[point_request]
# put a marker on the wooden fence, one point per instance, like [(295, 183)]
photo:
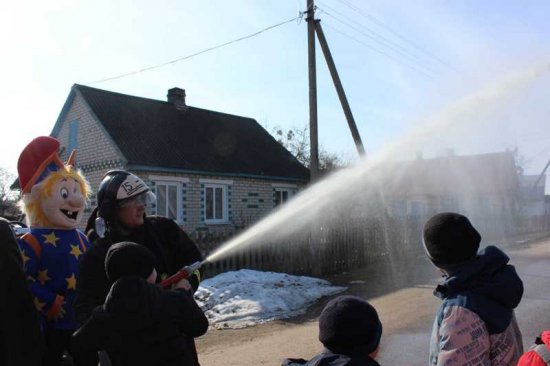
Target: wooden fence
[(322, 249), (326, 248)]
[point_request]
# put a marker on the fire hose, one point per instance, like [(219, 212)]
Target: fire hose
[(183, 273)]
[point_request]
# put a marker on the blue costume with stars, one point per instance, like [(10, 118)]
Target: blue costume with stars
[(51, 261)]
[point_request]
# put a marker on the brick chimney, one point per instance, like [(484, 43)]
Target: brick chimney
[(176, 96)]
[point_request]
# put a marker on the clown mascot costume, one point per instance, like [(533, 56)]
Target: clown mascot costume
[(53, 198)]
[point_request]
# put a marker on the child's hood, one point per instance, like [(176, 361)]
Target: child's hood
[(489, 275)]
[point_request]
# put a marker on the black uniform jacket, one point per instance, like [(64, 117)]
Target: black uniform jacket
[(142, 324), (172, 248), (21, 341)]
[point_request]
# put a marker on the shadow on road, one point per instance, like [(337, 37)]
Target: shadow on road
[(377, 279)]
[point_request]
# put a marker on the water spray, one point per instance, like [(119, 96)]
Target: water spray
[(183, 273), (449, 126)]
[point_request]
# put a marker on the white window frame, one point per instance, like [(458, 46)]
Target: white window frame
[(213, 184), (174, 182), (281, 187), (280, 191)]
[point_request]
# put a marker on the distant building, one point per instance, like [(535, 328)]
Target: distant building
[(531, 192), (210, 171), (474, 184), (534, 207)]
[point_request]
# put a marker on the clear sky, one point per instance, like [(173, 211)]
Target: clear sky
[(439, 51)]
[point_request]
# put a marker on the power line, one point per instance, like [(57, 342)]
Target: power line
[(377, 21), (379, 51), (382, 39), (384, 44), (197, 53)]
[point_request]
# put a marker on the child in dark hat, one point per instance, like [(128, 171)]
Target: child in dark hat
[(140, 323), (475, 324), (350, 330)]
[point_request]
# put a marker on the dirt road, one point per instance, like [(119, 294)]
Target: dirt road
[(406, 305)]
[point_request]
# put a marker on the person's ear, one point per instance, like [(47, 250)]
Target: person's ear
[(374, 353)]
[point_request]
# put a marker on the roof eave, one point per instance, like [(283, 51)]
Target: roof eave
[(138, 167)]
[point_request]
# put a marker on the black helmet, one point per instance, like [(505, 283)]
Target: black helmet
[(117, 187)]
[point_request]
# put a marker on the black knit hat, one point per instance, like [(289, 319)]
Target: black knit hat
[(450, 238), (128, 259), (349, 324)]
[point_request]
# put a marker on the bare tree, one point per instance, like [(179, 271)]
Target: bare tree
[(8, 199), (296, 140)]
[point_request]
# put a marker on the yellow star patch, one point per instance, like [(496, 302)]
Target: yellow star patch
[(38, 305), (43, 276), (24, 257), (50, 239), (71, 282), (75, 250)]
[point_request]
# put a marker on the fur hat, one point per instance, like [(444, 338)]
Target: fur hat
[(349, 324), (128, 259), (450, 238)]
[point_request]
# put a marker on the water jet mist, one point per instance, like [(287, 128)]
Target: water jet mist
[(375, 186)]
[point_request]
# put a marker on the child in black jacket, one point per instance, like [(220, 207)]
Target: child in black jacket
[(350, 331), (140, 323)]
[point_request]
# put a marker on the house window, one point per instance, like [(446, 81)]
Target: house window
[(73, 136), (282, 192), (418, 209), (167, 200), (398, 208), (215, 203), (282, 195), (171, 195)]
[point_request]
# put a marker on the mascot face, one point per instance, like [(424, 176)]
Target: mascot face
[(65, 205), (58, 201)]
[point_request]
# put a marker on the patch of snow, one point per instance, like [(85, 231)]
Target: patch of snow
[(243, 298)]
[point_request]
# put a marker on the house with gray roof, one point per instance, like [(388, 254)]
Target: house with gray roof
[(210, 171)]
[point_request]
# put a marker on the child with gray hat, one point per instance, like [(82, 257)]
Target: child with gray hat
[(475, 324), (140, 323), (350, 330)]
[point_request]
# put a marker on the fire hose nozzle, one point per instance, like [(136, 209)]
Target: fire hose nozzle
[(181, 274)]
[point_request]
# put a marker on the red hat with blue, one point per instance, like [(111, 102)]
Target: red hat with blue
[(38, 160)]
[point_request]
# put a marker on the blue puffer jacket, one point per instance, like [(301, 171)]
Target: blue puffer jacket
[(475, 324), (328, 358)]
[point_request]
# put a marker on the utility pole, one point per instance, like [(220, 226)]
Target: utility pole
[(541, 175), (339, 88), (313, 133)]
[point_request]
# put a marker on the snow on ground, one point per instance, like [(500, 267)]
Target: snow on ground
[(239, 299)]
